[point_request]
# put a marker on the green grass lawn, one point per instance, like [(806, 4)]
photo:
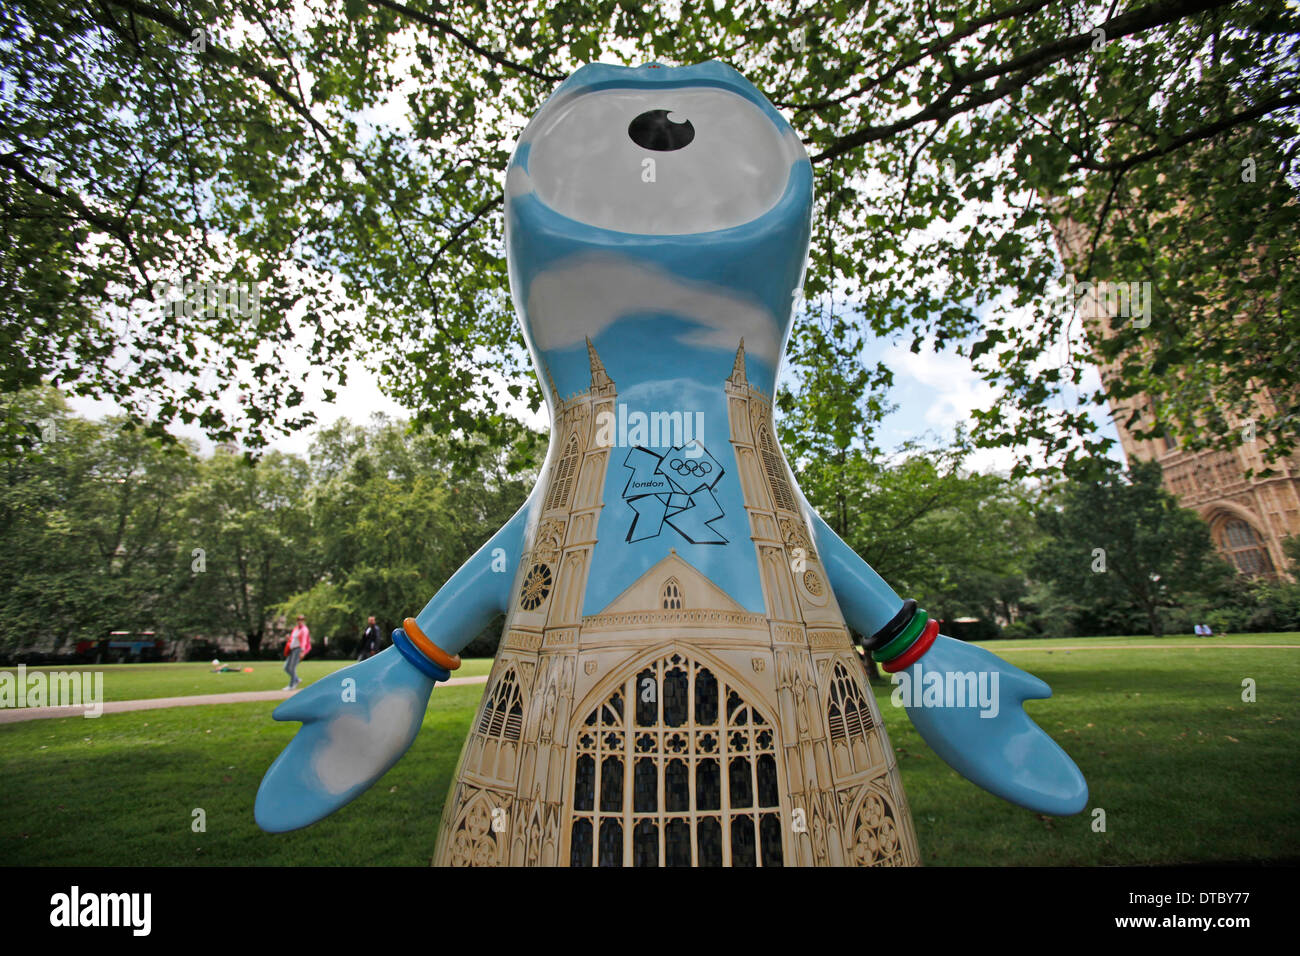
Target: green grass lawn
[(1143, 640), (141, 681), (1185, 771)]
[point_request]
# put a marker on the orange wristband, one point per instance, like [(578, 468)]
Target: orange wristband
[(428, 648)]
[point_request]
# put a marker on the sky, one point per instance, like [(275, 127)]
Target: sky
[(936, 392)]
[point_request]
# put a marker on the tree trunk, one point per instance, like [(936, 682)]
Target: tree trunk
[(872, 669), (1154, 622)]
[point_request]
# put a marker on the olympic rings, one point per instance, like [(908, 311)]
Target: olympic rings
[(697, 469)]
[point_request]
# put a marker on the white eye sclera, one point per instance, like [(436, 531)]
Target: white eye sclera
[(659, 162)]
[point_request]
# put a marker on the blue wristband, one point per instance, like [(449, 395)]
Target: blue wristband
[(421, 663)]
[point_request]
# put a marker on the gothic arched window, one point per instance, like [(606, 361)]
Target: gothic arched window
[(782, 496), (503, 714), (671, 595), (849, 721), (562, 478), (676, 768), (1245, 548), (496, 738)]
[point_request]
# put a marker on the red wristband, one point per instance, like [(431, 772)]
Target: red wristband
[(913, 653)]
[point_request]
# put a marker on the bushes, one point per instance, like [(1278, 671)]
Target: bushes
[(485, 642), (343, 646), (1245, 607), (980, 629), (1018, 630), (1274, 607)]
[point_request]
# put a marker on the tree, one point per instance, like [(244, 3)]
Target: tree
[(954, 540), (143, 142), (957, 541), (976, 550), (1121, 545), (396, 513), (87, 544), (1291, 548), (105, 528), (248, 526)]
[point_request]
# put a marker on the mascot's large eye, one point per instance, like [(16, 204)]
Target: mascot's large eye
[(663, 161), (654, 130)]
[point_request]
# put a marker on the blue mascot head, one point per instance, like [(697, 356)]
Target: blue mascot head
[(662, 212), (657, 225)]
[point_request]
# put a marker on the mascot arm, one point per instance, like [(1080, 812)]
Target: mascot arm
[(360, 720), (964, 701)]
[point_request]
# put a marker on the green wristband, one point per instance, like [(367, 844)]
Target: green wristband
[(903, 641)]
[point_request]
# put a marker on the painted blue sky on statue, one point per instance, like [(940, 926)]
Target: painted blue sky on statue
[(596, 253)]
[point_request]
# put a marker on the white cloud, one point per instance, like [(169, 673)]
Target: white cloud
[(585, 296), (957, 388)]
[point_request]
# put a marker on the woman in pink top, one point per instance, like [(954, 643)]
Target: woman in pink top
[(295, 649)]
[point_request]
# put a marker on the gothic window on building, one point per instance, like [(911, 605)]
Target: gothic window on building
[(876, 840), (849, 720), (503, 714), (1244, 548), (496, 738), (671, 598), (474, 843), (676, 768), (566, 469), (782, 496)]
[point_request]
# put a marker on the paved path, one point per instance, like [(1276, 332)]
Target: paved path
[(13, 715)]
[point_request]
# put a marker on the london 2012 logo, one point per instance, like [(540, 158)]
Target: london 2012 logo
[(674, 489)]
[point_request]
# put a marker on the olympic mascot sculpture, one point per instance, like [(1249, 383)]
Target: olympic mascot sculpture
[(676, 683)]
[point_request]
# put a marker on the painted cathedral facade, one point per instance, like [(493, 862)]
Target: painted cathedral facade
[(674, 727)]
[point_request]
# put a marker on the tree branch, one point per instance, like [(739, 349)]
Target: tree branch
[(460, 231), (1178, 142), (1019, 71), (118, 229), (251, 70), (938, 46), (442, 26)]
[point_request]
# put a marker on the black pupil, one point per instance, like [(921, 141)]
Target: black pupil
[(654, 130)]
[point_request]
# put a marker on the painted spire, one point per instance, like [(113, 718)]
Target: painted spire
[(738, 370), (599, 377)]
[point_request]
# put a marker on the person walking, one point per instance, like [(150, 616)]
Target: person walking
[(295, 649), (369, 640)]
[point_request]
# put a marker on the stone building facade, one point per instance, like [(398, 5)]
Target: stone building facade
[(1249, 516)]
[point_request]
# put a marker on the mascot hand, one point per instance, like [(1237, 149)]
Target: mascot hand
[(356, 724), (991, 742)]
